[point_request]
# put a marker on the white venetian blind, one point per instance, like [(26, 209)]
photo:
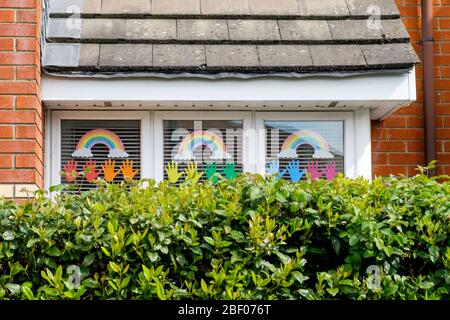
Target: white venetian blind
[(312, 137), (129, 132), (179, 133)]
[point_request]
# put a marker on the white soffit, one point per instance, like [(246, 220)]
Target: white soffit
[(383, 93)]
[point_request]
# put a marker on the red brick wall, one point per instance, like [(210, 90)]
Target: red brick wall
[(21, 112), (398, 141)]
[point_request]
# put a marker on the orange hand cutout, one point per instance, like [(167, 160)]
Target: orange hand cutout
[(127, 170), (108, 170)]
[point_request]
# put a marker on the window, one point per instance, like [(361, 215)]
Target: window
[(84, 141), (300, 146), (216, 139), (93, 143), (322, 141), (247, 141)]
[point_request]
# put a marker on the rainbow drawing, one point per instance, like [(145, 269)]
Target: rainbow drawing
[(196, 139), (296, 139), (100, 136)]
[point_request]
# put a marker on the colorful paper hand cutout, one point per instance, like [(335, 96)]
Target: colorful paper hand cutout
[(192, 174), (127, 170), (172, 172), (274, 169), (312, 170), (211, 172), (109, 171), (70, 170), (230, 171), (294, 171), (330, 171), (90, 170)]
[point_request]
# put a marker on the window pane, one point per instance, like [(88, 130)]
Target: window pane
[(102, 148), (310, 143), (203, 142)]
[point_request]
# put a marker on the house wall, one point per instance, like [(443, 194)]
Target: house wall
[(21, 112), (398, 141)]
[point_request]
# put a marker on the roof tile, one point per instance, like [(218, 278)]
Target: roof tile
[(353, 29), (157, 29), (103, 29), (364, 7), (126, 55), (89, 54), (273, 7), (253, 30), (205, 29), (135, 6), (304, 30), (225, 7), (323, 7), (175, 6), (395, 53), (229, 55), (337, 55), (169, 55), (284, 56)]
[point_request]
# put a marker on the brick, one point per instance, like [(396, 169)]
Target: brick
[(397, 146), (26, 73), (406, 158), (26, 161), (14, 176), (17, 58), (6, 161), (6, 44), (18, 146), (27, 102), (23, 4), (7, 16), (26, 16), (26, 44), (6, 73), (6, 102), (18, 87), (6, 132), (17, 116), (17, 30)]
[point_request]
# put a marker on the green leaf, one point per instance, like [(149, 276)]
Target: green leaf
[(333, 291), (27, 293), (204, 287), (8, 235), (88, 260), (426, 285), (54, 252), (336, 243)]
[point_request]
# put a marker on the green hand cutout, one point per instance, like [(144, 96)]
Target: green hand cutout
[(230, 171), (210, 171), (172, 172), (192, 174)]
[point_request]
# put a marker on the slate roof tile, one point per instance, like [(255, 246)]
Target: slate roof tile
[(211, 36)]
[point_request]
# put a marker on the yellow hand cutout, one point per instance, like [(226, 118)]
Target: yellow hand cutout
[(192, 174), (172, 172)]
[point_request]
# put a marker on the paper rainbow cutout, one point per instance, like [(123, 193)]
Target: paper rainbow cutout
[(100, 136), (296, 139), (202, 138)]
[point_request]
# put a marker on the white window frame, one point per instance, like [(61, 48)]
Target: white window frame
[(357, 139), (53, 145), (248, 143)]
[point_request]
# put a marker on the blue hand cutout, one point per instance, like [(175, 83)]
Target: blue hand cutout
[(274, 169), (294, 170)]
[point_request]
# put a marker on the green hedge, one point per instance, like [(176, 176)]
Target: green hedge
[(249, 238)]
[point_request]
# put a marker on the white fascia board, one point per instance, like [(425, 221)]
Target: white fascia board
[(381, 92)]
